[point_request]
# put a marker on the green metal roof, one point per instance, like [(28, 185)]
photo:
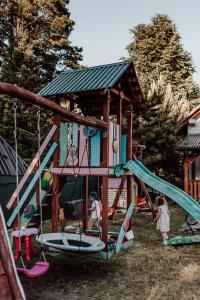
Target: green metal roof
[(93, 78)]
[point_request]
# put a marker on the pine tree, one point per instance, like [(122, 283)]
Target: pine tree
[(157, 49), (164, 70), (34, 41), (34, 46), (158, 128)]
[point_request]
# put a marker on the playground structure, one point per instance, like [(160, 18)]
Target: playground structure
[(85, 144), (91, 142)]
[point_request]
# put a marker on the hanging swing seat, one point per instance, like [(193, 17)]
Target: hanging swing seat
[(72, 242), (39, 269)]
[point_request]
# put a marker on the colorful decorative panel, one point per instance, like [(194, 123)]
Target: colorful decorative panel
[(113, 144)]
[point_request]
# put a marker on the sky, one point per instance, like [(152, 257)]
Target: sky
[(102, 27)]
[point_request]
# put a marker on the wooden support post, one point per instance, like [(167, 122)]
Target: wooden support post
[(148, 198), (129, 157), (129, 153), (105, 210), (85, 202), (186, 175), (105, 142), (119, 121), (55, 186)]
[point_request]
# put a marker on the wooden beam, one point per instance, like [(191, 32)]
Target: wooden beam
[(82, 171), (105, 146), (55, 185), (85, 202), (186, 175), (129, 156), (25, 95), (129, 153), (124, 97), (119, 121), (148, 198)]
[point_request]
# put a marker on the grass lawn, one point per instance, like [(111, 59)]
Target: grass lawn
[(148, 270)]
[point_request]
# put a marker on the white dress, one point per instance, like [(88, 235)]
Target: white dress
[(163, 221), (95, 214)]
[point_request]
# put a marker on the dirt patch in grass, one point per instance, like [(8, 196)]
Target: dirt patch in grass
[(148, 270)]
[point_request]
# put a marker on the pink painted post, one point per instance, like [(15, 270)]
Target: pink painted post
[(82, 171)]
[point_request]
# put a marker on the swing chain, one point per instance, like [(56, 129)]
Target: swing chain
[(22, 261), (40, 200), (38, 126), (14, 107)]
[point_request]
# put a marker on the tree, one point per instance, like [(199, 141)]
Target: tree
[(34, 41), (157, 49), (34, 46), (158, 127), (164, 70)]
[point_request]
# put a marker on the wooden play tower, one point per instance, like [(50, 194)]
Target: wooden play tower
[(107, 92)]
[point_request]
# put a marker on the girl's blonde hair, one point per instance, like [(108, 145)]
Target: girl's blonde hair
[(161, 200)]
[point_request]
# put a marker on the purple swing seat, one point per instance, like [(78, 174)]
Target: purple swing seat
[(40, 268)]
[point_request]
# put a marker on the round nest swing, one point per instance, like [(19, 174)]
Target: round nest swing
[(71, 242)]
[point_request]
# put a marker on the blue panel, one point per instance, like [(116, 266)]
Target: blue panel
[(75, 134), (95, 149), (63, 143), (32, 184), (123, 148)]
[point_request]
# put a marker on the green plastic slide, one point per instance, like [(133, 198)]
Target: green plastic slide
[(174, 193), (183, 240)]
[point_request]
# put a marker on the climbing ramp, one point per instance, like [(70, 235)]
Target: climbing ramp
[(32, 201)]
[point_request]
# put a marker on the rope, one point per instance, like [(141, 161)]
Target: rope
[(98, 226), (14, 107), (77, 181), (39, 163)]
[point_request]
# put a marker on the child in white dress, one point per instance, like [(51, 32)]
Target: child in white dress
[(163, 217), (95, 210)]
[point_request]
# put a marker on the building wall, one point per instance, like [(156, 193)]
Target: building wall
[(197, 168), (194, 126)]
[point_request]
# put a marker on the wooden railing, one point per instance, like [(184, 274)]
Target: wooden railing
[(194, 188)]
